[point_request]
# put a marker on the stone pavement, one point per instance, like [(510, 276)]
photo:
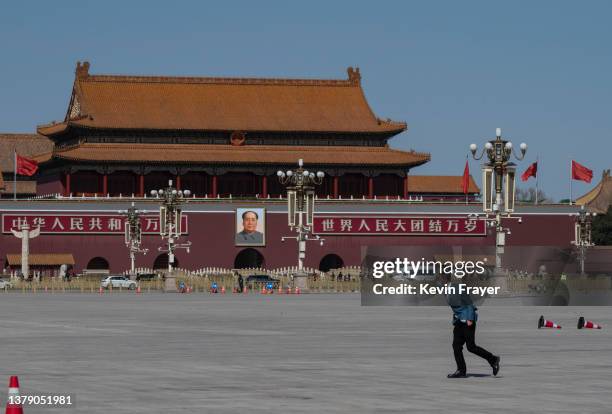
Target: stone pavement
[(169, 353)]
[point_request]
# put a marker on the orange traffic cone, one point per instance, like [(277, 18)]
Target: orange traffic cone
[(543, 323), (244, 290), (223, 290), (138, 290), (582, 323), (101, 290), (280, 289), (297, 290), (13, 405), (288, 290)]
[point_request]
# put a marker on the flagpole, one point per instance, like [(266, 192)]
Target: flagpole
[(466, 194), (15, 175), (538, 169), (570, 177)]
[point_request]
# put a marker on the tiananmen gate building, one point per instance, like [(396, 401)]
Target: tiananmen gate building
[(224, 139)]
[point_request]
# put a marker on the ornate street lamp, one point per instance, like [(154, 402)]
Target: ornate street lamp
[(133, 235), (300, 209), (498, 177), (170, 225), (582, 238)]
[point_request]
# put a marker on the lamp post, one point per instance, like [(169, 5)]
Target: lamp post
[(170, 225), (498, 175), (582, 238), (300, 209), (133, 235)]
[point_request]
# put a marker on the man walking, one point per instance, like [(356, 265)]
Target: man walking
[(464, 332)]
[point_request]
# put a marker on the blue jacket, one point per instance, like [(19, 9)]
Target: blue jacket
[(463, 313), (463, 308)]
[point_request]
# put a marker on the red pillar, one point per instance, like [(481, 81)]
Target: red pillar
[(141, 190), (335, 186), (214, 185), (370, 187), (67, 189), (178, 182), (104, 184), (264, 186), (406, 186)]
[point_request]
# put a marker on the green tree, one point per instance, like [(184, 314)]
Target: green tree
[(601, 230)]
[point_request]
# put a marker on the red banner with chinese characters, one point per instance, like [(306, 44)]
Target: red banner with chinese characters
[(399, 226), (81, 223)]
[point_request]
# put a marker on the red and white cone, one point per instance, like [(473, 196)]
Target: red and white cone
[(13, 394), (543, 323), (584, 324), (223, 290)]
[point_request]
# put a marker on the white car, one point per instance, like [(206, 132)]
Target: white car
[(118, 282), (5, 284)]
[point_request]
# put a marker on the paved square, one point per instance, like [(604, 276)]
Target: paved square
[(168, 353)]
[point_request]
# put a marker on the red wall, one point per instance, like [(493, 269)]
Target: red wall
[(212, 235)]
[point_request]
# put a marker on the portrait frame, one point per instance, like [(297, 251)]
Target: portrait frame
[(259, 236)]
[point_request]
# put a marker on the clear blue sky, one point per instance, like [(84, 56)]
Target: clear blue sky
[(453, 70)]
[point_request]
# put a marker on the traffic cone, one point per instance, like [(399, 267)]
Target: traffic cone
[(543, 323), (280, 289), (288, 290), (297, 290), (13, 394), (138, 290), (263, 290), (244, 290), (582, 323), (101, 291), (223, 290)]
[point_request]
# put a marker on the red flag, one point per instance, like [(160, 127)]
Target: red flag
[(26, 166), (465, 183), (581, 173), (532, 171)]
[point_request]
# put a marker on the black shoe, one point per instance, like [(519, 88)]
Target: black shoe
[(457, 374), (495, 365)]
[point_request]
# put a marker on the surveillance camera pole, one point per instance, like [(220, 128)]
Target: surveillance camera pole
[(300, 210), (499, 169), (170, 226)]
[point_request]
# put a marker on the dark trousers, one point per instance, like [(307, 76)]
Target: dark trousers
[(463, 334)]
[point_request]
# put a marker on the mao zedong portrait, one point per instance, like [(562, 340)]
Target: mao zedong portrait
[(249, 234)]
